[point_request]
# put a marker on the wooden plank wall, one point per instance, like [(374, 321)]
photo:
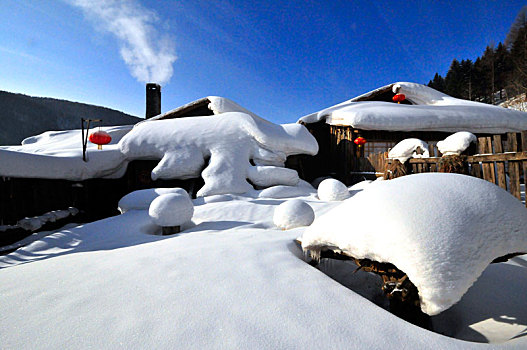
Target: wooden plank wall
[(500, 159), (95, 198)]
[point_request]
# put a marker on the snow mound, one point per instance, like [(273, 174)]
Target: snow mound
[(456, 143), (302, 189), (332, 190), (442, 230), (172, 209), (293, 213), (361, 185), (141, 199), (229, 141), (409, 148)]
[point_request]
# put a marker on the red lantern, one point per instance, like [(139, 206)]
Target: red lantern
[(100, 138), (399, 98), (359, 141)]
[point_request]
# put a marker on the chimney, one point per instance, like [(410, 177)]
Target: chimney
[(153, 100)]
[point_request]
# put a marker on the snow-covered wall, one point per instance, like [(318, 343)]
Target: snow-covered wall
[(431, 111)]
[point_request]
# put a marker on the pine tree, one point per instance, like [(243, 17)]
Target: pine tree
[(479, 81), (518, 56), (488, 61), (519, 22), (438, 83), (503, 69), (466, 75), (454, 80)]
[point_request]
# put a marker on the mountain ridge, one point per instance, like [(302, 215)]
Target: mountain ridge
[(22, 116)]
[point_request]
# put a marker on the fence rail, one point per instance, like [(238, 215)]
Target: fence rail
[(500, 159)]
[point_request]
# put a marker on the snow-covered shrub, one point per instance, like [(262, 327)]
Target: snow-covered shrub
[(220, 148), (442, 230), (173, 209), (409, 148), (293, 213), (332, 190), (453, 163), (456, 143), (395, 169), (141, 199)]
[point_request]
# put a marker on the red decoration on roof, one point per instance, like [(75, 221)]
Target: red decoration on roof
[(399, 98), (360, 141), (100, 138)]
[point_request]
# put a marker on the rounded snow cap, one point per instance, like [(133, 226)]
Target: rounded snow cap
[(293, 213), (456, 143), (332, 190), (173, 209)]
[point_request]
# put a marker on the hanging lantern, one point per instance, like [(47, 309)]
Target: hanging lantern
[(100, 138), (359, 141), (399, 98)]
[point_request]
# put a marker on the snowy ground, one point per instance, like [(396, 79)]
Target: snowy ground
[(231, 279)]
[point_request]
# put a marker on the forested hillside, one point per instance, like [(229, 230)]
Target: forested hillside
[(22, 116), (499, 74)]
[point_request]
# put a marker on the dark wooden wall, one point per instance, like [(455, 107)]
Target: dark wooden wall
[(95, 198), (340, 158)]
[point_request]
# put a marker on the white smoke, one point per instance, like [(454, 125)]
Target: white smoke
[(147, 53)]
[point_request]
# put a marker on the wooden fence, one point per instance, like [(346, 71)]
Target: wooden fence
[(500, 159)]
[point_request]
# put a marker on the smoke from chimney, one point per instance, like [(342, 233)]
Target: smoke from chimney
[(148, 53)]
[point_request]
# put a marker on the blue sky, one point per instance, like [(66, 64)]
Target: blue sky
[(281, 60)]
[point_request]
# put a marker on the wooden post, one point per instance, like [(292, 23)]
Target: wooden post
[(485, 147), (524, 163), (431, 150), (514, 166), (500, 166)]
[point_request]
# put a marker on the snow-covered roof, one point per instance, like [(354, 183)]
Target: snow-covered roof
[(210, 105), (430, 110), (219, 147)]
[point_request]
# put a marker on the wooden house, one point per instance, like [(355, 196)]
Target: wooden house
[(424, 113)]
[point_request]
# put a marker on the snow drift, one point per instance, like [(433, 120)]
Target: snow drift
[(431, 227)]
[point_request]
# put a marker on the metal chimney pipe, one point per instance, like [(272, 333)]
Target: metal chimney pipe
[(153, 100)]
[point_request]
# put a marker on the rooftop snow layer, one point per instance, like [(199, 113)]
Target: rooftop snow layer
[(431, 110), (442, 230), (58, 155), (229, 141), (219, 147)]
